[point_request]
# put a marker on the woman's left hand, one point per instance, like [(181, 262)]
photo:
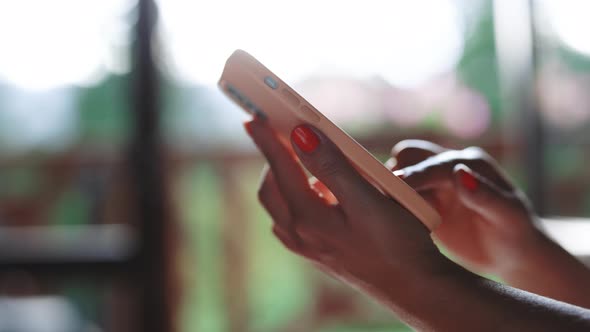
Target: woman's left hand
[(342, 223)]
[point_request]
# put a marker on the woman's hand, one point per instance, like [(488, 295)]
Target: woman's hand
[(373, 243), (357, 234), (487, 223)]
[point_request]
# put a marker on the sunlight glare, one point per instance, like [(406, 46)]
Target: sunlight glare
[(406, 42), (47, 44), (569, 18)]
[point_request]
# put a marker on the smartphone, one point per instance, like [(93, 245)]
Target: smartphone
[(258, 91)]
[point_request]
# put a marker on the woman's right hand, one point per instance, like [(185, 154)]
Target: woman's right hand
[(487, 222)]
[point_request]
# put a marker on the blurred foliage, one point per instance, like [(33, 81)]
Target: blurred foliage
[(86, 298), (279, 286), (19, 182), (104, 112), (71, 208), (575, 61), (478, 66), (203, 309)]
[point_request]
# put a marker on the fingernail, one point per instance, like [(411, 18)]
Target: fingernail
[(468, 181), (248, 127), (305, 139)]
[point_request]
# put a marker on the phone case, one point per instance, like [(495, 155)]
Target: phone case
[(257, 90)]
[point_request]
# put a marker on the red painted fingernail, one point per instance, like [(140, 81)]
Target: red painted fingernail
[(248, 127), (468, 180), (305, 138)]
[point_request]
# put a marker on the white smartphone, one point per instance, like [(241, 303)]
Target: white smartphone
[(258, 91)]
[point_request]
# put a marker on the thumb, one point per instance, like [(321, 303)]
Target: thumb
[(479, 194)]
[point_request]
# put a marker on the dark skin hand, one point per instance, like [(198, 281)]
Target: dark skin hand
[(487, 222), (375, 245), (335, 236), (497, 214)]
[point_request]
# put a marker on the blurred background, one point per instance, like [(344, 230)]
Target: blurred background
[(127, 184)]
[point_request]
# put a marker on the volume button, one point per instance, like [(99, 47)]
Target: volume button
[(311, 114), (291, 98)]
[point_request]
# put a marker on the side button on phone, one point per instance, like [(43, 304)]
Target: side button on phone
[(291, 98), (309, 113)]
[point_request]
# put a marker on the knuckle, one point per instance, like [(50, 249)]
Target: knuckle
[(411, 147), (400, 146), (475, 153), (477, 158)]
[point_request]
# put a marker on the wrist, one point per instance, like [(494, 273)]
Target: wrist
[(526, 253), (545, 268), (428, 299), (399, 286), (533, 249)]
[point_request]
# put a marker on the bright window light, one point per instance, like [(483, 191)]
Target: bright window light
[(406, 42), (569, 18), (50, 43)]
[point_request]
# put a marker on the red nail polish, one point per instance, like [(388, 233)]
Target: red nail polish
[(468, 180), (248, 127), (305, 138)]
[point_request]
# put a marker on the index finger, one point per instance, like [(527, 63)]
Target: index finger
[(327, 162), (289, 175), (412, 151), (427, 177), (437, 171)]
